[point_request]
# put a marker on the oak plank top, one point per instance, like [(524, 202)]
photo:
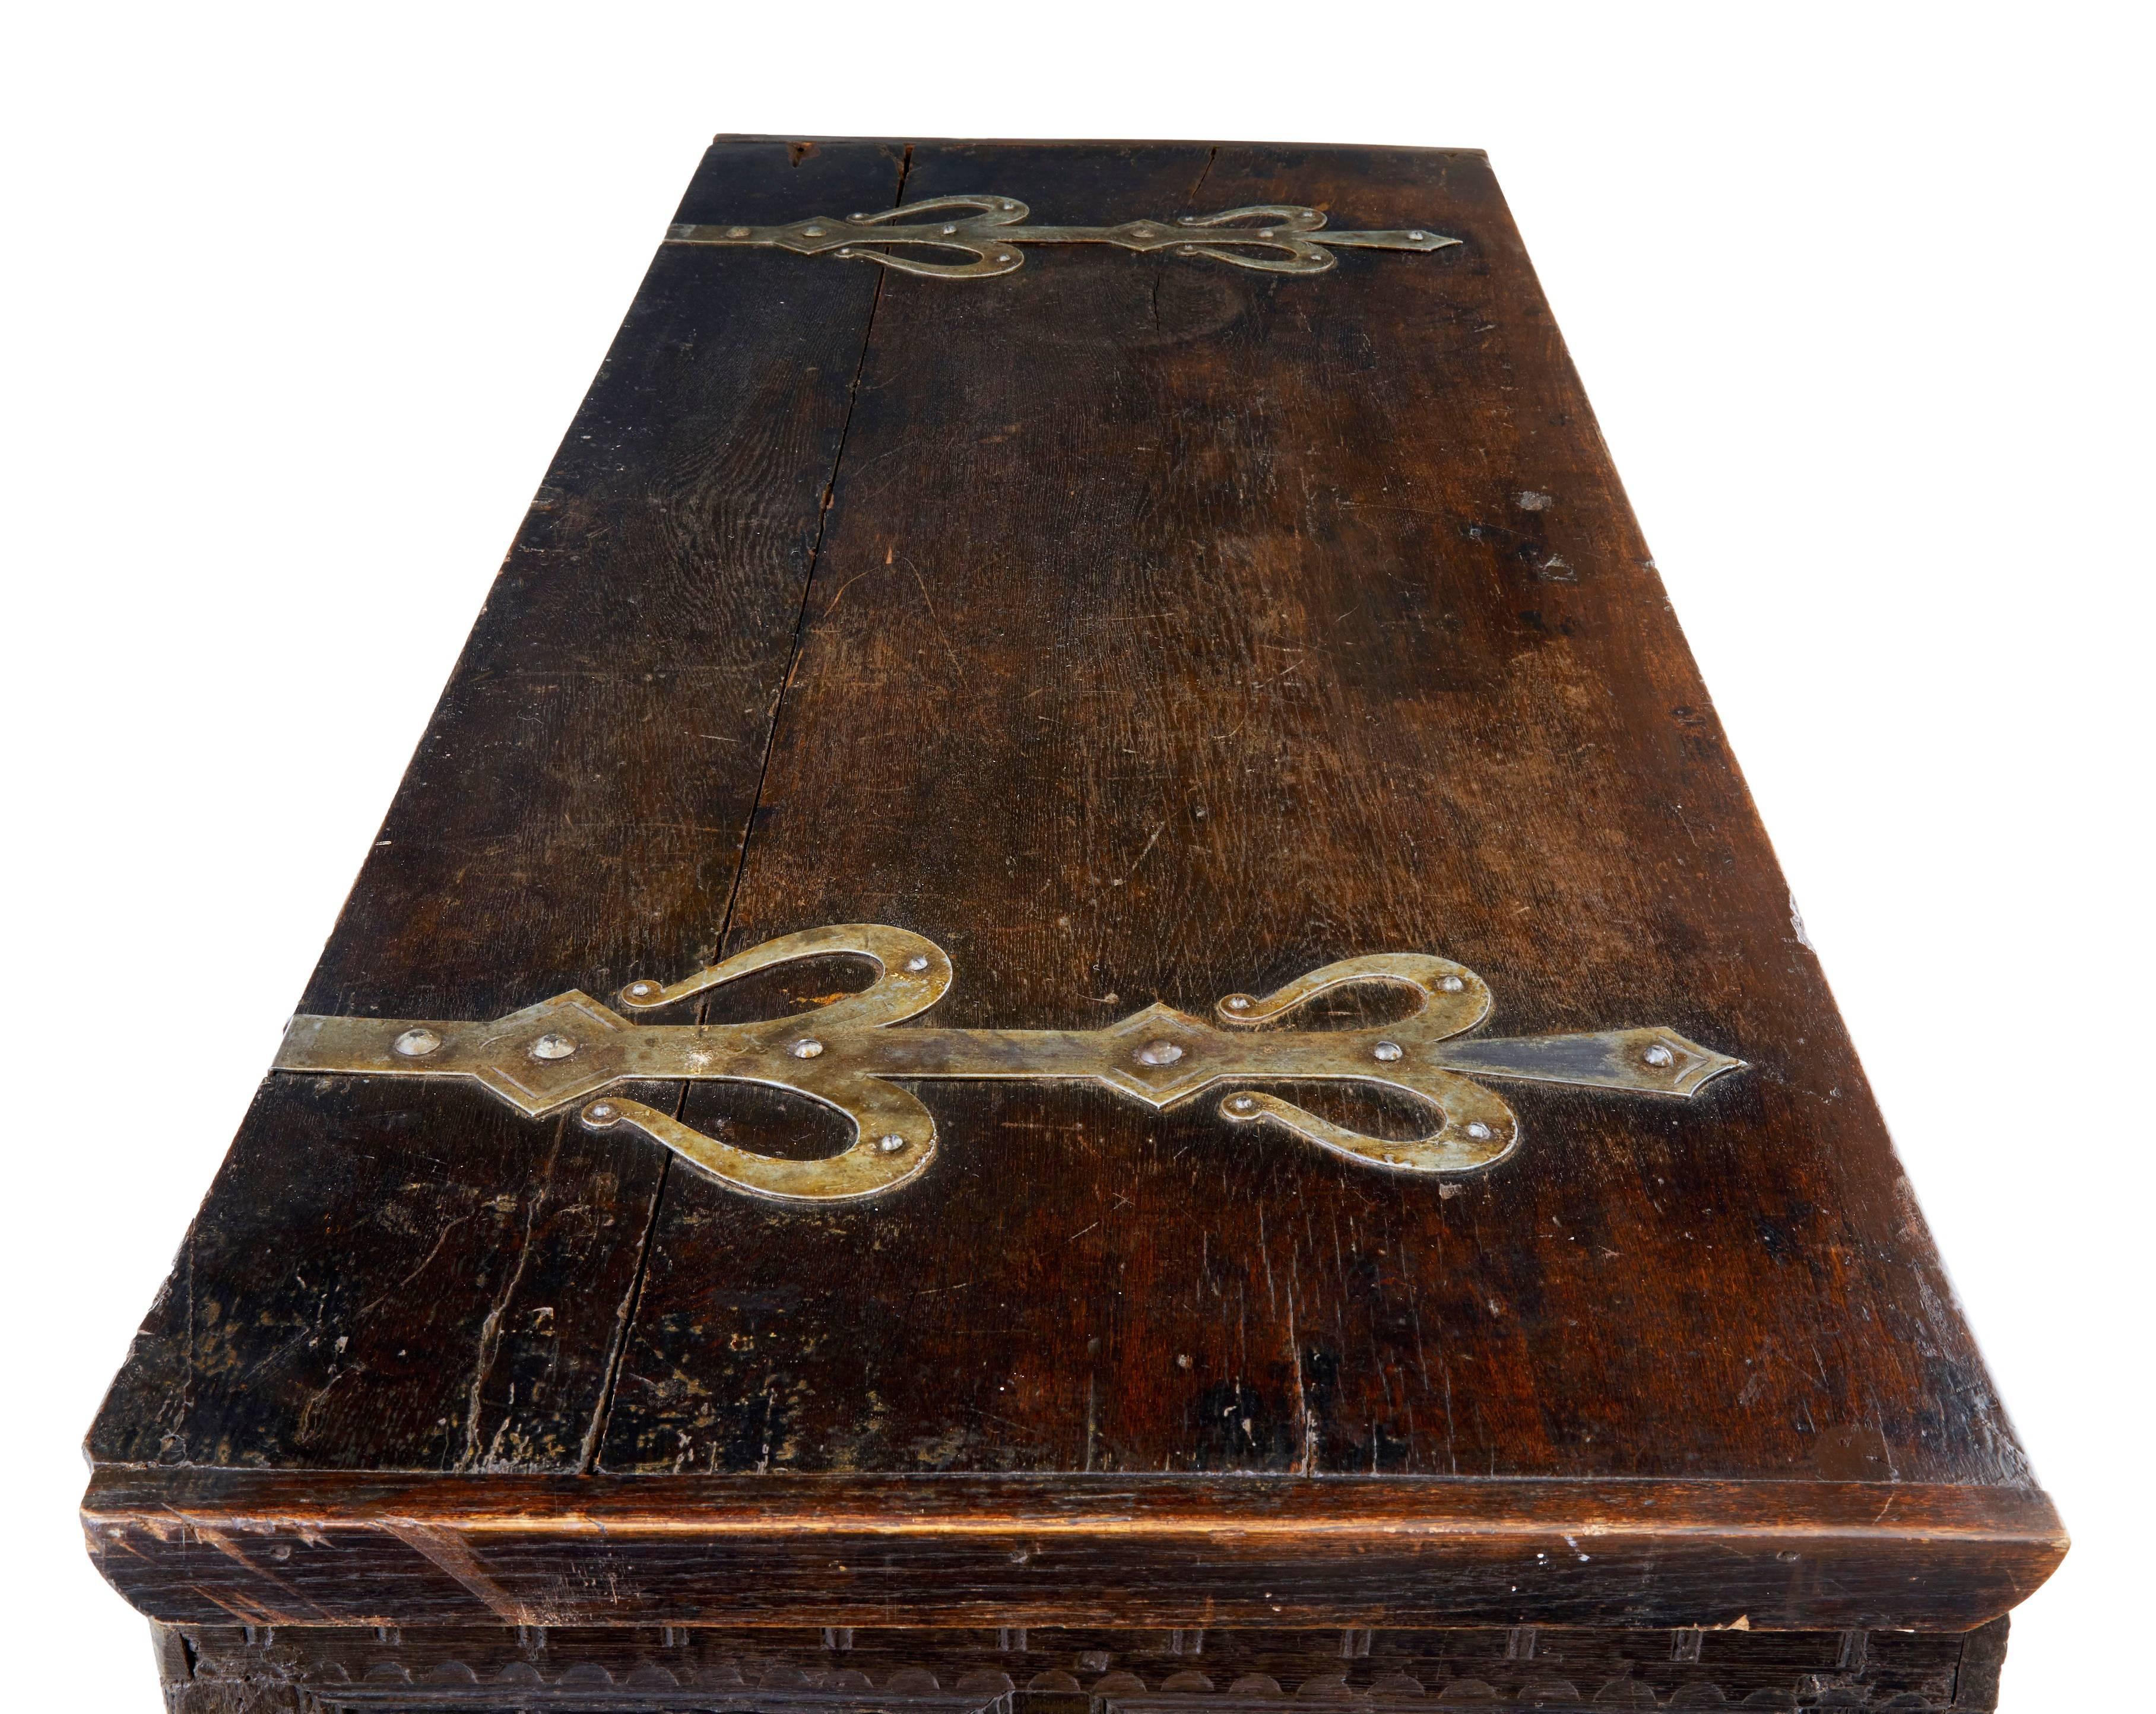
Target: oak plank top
[(1138, 627)]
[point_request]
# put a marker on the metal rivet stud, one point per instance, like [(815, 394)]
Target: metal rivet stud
[(551, 1046), (642, 990), (845, 249), (1450, 984), (1159, 1053), (1386, 1051), (602, 1113), (1658, 1056), (1265, 232), (417, 1043), (891, 1143), (917, 962), (812, 231), (1479, 1131), (1243, 1104), (1418, 236), (1239, 1002), (948, 230), (737, 232), (806, 1049), (1186, 250)]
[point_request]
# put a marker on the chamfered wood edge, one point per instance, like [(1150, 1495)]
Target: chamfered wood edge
[(196, 1545), (819, 138)]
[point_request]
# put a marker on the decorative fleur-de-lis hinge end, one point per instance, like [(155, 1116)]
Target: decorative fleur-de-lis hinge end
[(1276, 238), (848, 1056)]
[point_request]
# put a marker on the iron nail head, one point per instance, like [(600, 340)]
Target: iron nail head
[(891, 1143), (552, 1045), (1159, 1053), (1658, 1056), (417, 1043), (1450, 984), (806, 1049), (1386, 1051), (916, 963)]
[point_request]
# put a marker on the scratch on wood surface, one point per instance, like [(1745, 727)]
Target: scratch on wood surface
[(490, 1333), (451, 1554), (316, 1398), (225, 1545), (942, 636), (1204, 173), (235, 1602), (442, 1238), (1143, 854), (1306, 1465), (843, 587)]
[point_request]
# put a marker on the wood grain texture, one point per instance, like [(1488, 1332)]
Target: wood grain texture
[(1180, 628), (1137, 628), (408, 1276), (187, 1547)]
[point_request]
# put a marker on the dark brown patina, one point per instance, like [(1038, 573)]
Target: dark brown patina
[(1140, 631)]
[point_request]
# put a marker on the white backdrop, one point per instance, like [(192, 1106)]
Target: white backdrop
[(300, 300)]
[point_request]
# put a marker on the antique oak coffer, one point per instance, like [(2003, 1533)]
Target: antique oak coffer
[(1073, 1011)]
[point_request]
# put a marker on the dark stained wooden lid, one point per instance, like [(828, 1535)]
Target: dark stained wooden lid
[(1137, 627)]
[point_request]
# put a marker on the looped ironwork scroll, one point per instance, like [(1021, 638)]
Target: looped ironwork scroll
[(894, 1136), (1273, 237), (1475, 1127), (852, 1054)]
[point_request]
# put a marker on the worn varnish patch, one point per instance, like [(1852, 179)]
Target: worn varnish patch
[(1177, 630), (395, 1277)]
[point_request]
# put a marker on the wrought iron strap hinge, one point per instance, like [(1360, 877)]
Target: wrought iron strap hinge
[(847, 1055), (1275, 239)]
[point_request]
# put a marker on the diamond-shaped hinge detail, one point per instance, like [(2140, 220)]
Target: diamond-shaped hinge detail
[(1161, 1055), (551, 1054)]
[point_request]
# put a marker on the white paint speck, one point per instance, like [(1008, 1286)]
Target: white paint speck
[(1797, 922)]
